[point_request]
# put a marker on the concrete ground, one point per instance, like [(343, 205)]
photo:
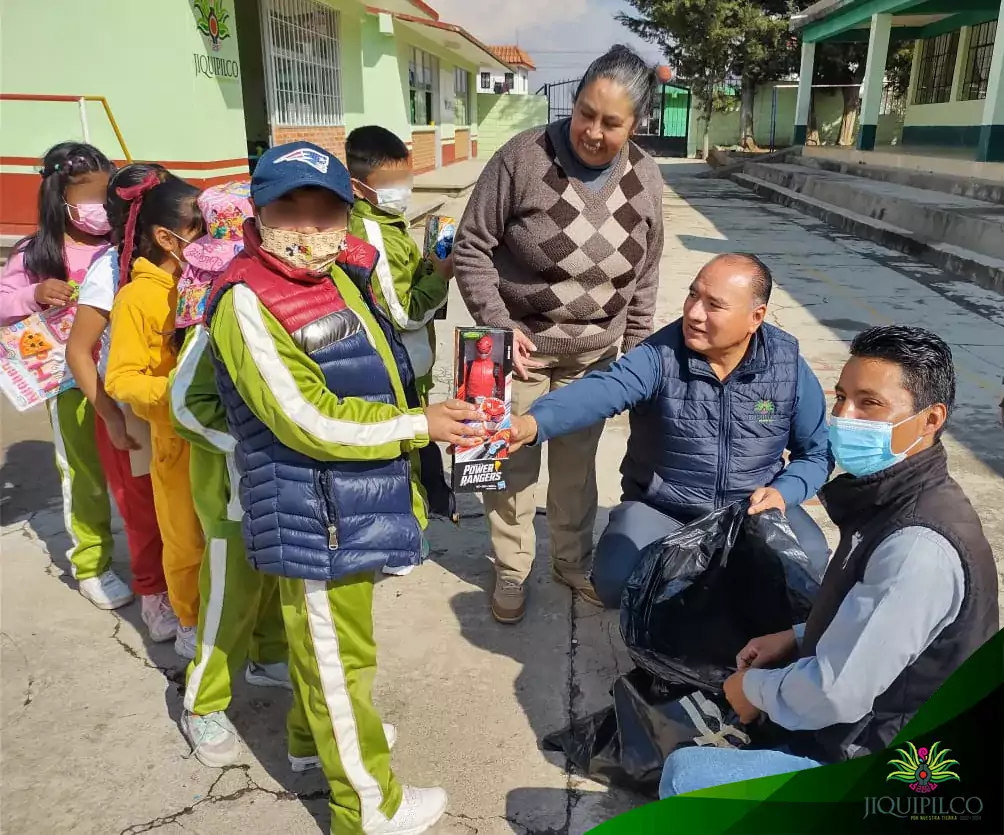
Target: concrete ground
[(90, 741)]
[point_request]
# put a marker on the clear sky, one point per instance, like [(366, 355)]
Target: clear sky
[(562, 36)]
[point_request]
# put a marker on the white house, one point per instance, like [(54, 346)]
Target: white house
[(515, 81)]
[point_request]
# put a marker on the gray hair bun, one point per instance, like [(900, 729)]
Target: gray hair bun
[(625, 66)]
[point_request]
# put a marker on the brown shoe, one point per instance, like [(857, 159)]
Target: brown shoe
[(577, 579), (508, 601)]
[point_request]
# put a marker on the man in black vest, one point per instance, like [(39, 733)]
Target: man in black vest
[(909, 595)]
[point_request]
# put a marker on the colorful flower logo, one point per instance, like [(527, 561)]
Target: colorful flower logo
[(764, 411), (923, 769), (211, 20)]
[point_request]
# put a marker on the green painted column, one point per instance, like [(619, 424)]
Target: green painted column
[(804, 92), (991, 147), (871, 100)]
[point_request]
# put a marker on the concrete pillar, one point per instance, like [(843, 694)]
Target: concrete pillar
[(991, 147), (914, 72), (804, 92), (961, 54), (871, 101)]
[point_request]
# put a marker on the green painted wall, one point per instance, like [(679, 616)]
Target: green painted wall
[(385, 94), (140, 57), (350, 53), (949, 113), (828, 107), (502, 117)]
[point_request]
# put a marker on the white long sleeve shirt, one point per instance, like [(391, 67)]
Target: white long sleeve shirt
[(913, 587)]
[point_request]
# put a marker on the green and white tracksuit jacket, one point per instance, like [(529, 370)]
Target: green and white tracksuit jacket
[(408, 288), (240, 614)]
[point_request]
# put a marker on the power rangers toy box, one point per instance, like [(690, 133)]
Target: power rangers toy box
[(484, 378)]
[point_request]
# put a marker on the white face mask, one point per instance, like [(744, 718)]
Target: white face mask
[(395, 199), (181, 261)]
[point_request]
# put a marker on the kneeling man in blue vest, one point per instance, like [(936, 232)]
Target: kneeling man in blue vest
[(716, 397)]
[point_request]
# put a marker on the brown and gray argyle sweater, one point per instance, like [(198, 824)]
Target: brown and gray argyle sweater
[(575, 269)]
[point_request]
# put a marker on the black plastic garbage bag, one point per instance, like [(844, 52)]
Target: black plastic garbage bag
[(699, 595), (627, 744)]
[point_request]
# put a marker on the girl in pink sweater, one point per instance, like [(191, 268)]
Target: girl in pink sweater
[(43, 272)]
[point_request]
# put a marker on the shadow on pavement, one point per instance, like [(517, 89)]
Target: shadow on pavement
[(585, 809), (542, 685), (975, 422), (29, 481)]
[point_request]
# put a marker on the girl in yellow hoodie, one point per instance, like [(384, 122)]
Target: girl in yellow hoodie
[(163, 219)]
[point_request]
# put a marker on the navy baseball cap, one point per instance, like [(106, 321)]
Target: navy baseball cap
[(294, 165)]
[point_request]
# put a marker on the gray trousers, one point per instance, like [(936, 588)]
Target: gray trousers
[(635, 525)]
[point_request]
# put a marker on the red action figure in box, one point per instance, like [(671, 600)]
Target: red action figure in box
[(482, 379)]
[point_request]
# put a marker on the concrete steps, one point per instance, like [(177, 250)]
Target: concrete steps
[(956, 232), (989, 191)]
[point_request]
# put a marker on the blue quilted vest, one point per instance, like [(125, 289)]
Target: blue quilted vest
[(305, 518), (702, 443)]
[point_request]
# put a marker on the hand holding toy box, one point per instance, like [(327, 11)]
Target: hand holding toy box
[(484, 377), (439, 233), (33, 357)]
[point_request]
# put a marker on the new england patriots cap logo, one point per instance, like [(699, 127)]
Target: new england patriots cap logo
[(315, 159)]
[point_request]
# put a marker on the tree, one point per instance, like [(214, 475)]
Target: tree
[(709, 41), (764, 53), (698, 37)]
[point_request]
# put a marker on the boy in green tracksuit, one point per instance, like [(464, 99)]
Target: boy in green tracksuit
[(240, 617), (318, 395), (409, 288)]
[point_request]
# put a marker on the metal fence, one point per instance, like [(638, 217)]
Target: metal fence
[(302, 63), (663, 130)]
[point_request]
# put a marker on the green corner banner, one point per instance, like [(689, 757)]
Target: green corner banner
[(955, 743)]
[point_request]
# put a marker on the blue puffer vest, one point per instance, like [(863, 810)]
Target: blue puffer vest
[(306, 518), (701, 443)]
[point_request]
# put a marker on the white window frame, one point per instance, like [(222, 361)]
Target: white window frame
[(462, 94), (302, 90), (423, 77)]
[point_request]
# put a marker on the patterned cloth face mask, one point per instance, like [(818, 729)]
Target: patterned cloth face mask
[(315, 252)]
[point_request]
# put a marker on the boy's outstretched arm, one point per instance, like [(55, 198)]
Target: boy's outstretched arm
[(286, 391)]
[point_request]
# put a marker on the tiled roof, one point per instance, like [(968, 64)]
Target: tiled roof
[(512, 55)]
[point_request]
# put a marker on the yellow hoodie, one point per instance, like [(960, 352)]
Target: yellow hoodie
[(140, 360), (141, 355)]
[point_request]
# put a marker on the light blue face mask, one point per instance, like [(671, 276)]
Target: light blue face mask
[(864, 447)]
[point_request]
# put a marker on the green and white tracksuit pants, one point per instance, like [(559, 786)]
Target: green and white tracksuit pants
[(332, 663), (87, 510), (239, 612)]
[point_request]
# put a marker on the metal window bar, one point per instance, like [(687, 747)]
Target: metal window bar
[(976, 76), (937, 66), (302, 63), (423, 83)]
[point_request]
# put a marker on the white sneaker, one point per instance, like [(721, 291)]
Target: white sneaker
[(302, 764), (268, 675), (404, 571), (184, 643), (214, 740), (106, 591), (418, 812), (159, 617)]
